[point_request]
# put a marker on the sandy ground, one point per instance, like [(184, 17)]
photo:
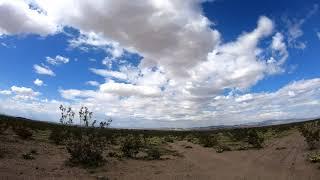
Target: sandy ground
[(197, 163)]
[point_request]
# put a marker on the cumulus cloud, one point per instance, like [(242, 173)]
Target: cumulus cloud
[(5, 92), (21, 93), (38, 82), (24, 91), (57, 60), (299, 99), (234, 65), (44, 70), (18, 18), (182, 34), (185, 66), (123, 89)]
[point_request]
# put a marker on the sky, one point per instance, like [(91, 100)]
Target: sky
[(161, 63)]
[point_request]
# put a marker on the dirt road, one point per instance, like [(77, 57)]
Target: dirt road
[(288, 163)]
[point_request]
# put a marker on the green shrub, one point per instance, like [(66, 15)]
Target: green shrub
[(314, 157), (255, 139), (23, 133), (86, 150), (131, 146), (311, 133), (153, 154), (169, 139), (239, 134), (85, 145), (208, 140), (221, 148), (59, 136)]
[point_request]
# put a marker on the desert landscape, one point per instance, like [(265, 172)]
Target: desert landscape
[(159, 89), (28, 151)]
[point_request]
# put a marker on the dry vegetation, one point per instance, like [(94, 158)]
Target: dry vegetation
[(94, 150)]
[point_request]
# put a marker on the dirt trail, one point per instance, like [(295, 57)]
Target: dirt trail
[(197, 163), (204, 163)]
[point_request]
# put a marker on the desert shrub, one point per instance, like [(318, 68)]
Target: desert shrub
[(153, 140), (191, 138), (3, 127), (314, 157), (255, 139), (59, 136), (242, 147), (169, 139), (85, 145), (311, 133), (239, 134), (28, 156), (131, 146), (114, 154), (86, 151), (153, 154), (23, 132), (221, 148), (208, 140)]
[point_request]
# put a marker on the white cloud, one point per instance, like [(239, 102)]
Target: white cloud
[(181, 31), (234, 65), (185, 69), (38, 82), (57, 60), (18, 18), (296, 100), (44, 70), (318, 35), (123, 89), (108, 73), (23, 93), (295, 31), (74, 93), (93, 83), (5, 92)]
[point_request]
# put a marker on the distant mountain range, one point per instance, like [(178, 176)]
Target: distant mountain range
[(255, 124), (243, 125)]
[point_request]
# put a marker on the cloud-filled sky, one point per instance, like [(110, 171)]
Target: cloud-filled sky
[(161, 63)]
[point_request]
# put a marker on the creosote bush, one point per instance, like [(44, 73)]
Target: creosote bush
[(208, 140), (153, 154), (86, 150), (255, 139), (85, 145), (311, 133), (131, 145), (314, 157), (59, 135)]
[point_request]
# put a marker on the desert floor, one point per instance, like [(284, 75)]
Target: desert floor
[(283, 158)]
